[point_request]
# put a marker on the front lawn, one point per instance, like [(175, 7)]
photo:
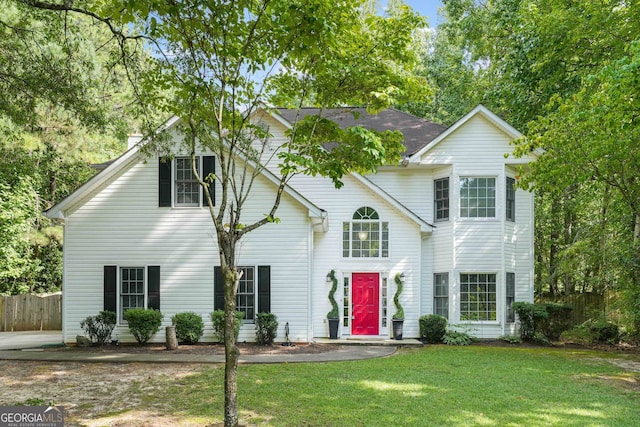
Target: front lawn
[(435, 385)]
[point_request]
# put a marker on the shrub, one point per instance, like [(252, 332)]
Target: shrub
[(266, 328), (143, 323), (432, 328), (457, 338), (557, 321), (217, 318), (511, 339), (98, 328), (189, 327), (604, 332), (529, 315)]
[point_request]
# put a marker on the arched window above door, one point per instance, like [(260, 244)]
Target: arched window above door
[(365, 236)]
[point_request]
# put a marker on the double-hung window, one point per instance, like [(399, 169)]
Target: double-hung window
[(441, 294), (253, 294), (186, 186), (177, 185), (131, 289), (246, 296), (441, 199), (510, 199), (510, 297), (365, 236), (477, 296), (477, 197)]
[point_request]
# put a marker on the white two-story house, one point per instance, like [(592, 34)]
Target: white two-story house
[(449, 219)]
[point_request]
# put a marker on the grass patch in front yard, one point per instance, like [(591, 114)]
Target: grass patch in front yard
[(435, 385)]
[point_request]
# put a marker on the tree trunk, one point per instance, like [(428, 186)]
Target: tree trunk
[(231, 351)]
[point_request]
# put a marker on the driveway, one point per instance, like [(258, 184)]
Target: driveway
[(29, 339)]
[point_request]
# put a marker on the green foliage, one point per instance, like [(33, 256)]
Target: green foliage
[(334, 313), (399, 314), (511, 339), (217, 319), (597, 331), (98, 328), (266, 328), (189, 327), (529, 316), (143, 323), (432, 328), (557, 321), (457, 338)]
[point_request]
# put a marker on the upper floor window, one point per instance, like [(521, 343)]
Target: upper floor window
[(187, 188), (477, 197), (441, 199), (510, 202), (365, 236), (177, 185)]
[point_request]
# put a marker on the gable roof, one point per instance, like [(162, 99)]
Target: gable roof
[(480, 110), (131, 156), (417, 132)]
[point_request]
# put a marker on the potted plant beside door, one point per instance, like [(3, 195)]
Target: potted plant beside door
[(398, 317), (334, 315)]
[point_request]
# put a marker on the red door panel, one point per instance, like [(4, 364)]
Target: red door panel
[(365, 302)]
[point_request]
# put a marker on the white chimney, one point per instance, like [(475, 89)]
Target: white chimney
[(133, 139)]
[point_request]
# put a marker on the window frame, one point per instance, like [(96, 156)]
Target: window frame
[(351, 241), (254, 294), (465, 297), (120, 293), (510, 297), (510, 199), (174, 180), (475, 202), (439, 198), (441, 297)]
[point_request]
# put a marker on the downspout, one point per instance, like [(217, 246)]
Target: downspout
[(310, 283)]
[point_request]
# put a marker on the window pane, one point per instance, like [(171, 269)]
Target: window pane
[(187, 188), (477, 197), (478, 296), (245, 299), (131, 289), (441, 202), (441, 294)]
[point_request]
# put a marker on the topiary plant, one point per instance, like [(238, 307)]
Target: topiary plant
[(189, 327), (399, 314), (143, 323), (334, 313)]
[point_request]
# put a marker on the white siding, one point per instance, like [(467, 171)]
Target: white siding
[(122, 225)]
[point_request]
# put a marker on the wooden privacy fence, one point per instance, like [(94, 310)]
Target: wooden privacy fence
[(584, 306), (30, 313)]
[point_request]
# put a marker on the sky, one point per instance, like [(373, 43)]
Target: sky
[(427, 8)]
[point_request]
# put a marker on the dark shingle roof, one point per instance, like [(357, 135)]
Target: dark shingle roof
[(417, 132)]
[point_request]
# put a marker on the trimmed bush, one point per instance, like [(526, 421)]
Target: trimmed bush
[(266, 328), (529, 316), (98, 328), (604, 332), (557, 321), (432, 328), (143, 323), (457, 338), (511, 339), (217, 319), (189, 327)]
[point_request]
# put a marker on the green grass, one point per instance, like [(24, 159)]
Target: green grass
[(436, 385)]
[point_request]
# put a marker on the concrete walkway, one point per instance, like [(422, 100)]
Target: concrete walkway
[(29, 339), (351, 352)]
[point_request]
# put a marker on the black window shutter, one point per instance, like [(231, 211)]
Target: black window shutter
[(153, 287), (264, 289), (164, 183), (110, 288), (209, 166), (218, 289)]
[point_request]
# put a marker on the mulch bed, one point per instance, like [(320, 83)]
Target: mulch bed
[(202, 348)]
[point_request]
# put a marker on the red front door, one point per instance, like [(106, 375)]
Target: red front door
[(365, 291)]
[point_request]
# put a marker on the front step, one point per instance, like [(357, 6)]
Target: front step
[(350, 340)]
